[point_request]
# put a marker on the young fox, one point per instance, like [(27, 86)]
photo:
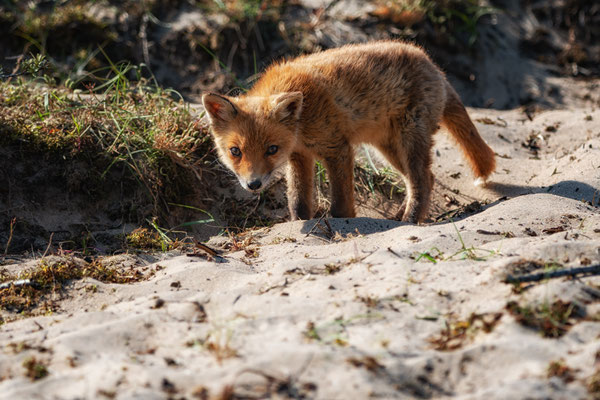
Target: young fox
[(387, 94)]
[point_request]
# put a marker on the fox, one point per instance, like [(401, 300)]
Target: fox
[(386, 94)]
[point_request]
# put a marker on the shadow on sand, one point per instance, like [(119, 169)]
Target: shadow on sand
[(574, 190)]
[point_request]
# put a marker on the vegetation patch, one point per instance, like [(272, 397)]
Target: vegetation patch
[(334, 332), (454, 18), (35, 369), (593, 385), (36, 290), (561, 370), (552, 320), (367, 362), (133, 124), (144, 239), (239, 10), (218, 343), (272, 386), (471, 253), (459, 332), (331, 268), (388, 302), (128, 148)]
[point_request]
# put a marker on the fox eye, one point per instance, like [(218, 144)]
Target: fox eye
[(235, 151), (272, 150)]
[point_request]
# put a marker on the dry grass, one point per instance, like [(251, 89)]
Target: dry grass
[(593, 385), (35, 369), (561, 370), (217, 343), (552, 320), (459, 332), (135, 126), (124, 132), (45, 283)]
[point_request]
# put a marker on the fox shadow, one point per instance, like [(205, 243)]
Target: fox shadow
[(569, 189)]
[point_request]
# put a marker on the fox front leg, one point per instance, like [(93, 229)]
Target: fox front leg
[(340, 169), (300, 186)]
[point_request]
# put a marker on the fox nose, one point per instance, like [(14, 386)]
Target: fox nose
[(255, 185)]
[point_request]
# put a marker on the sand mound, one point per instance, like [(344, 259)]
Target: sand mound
[(357, 308)]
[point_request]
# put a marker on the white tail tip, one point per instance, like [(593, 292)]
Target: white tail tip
[(479, 182)]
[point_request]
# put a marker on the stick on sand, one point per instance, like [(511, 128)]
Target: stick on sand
[(591, 270)]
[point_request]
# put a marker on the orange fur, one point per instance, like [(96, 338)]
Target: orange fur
[(458, 123), (388, 94)]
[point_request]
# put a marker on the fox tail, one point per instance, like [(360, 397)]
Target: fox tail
[(460, 126)]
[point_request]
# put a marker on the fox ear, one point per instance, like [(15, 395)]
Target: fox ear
[(287, 106), (218, 108)]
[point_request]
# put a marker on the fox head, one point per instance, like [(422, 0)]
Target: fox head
[(254, 136)]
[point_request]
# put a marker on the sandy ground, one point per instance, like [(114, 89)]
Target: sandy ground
[(346, 308)]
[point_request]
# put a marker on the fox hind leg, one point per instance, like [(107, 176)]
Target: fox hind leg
[(419, 189), (412, 158)]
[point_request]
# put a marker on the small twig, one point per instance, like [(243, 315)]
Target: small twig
[(19, 61), (277, 286), (49, 244), (484, 232), (6, 76), (394, 253), (317, 223), (253, 212), (327, 231), (31, 66), (207, 252), (144, 38), (276, 383), (591, 270), (10, 234)]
